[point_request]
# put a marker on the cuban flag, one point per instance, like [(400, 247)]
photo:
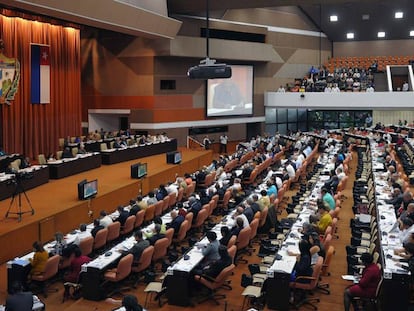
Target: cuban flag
[(40, 74)]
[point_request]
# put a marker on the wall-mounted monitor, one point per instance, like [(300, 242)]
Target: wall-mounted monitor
[(87, 189), (173, 157), (139, 170), (233, 96)]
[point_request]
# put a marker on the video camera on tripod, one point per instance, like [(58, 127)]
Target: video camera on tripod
[(17, 179)]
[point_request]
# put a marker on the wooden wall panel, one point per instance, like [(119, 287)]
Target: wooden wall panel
[(18, 242), (174, 115), (47, 229), (71, 218)]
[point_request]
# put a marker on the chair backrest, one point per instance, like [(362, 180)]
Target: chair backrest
[(207, 207), (61, 142), (139, 218), (253, 226), (145, 261), (160, 249), (124, 267), (201, 217), (158, 208), (190, 189), (149, 213), (51, 267), (169, 235), (86, 245), (103, 146), (232, 241), (226, 199), (221, 278), (129, 225), (263, 216), (114, 230), (182, 232), (232, 252), (59, 155), (75, 151), (172, 199), (16, 164), (180, 194), (328, 258), (243, 238), (327, 241), (315, 277), (100, 238), (165, 203), (334, 223), (41, 159), (189, 218)]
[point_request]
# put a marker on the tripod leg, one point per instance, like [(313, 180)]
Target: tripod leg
[(28, 201), (11, 204)]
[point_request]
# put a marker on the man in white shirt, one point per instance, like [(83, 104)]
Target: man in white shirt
[(370, 89), (290, 170), (405, 86), (406, 229), (281, 89), (239, 214), (336, 89), (82, 234), (105, 220), (172, 188), (223, 143)]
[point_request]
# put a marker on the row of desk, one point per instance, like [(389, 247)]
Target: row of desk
[(37, 175), (396, 280), (30, 178), (279, 273)]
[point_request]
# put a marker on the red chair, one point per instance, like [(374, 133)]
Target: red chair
[(86, 245), (114, 230), (139, 218), (121, 272), (214, 285), (100, 239), (51, 270), (308, 287), (128, 226)]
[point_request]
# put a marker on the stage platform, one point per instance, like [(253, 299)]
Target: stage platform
[(57, 208)]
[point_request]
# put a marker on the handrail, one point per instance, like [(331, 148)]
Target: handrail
[(191, 139)]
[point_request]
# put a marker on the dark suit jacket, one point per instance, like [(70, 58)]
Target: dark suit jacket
[(123, 217), (96, 229), (216, 267), (155, 238), (134, 210), (195, 207), (138, 248), (176, 223)]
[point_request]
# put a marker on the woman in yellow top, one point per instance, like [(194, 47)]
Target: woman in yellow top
[(39, 259)]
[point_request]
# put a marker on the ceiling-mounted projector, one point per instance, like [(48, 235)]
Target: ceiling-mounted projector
[(208, 69)]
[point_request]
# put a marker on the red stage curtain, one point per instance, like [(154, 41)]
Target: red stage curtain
[(32, 129)]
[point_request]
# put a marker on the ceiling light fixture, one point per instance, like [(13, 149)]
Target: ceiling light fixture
[(365, 17), (399, 15), (333, 18), (381, 34), (350, 35)]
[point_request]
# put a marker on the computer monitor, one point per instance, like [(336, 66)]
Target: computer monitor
[(80, 188), (139, 170), (87, 189), (173, 157)]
